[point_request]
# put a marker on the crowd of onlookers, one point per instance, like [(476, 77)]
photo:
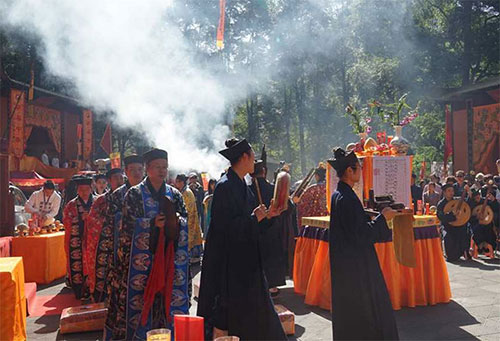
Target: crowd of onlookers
[(429, 190), (480, 230)]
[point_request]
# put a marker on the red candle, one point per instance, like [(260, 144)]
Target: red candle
[(188, 328)]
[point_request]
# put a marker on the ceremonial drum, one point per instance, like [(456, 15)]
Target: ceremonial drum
[(484, 214), (281, 191), (461, 210)]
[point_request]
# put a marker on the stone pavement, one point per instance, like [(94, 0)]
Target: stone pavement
[(473, 313)]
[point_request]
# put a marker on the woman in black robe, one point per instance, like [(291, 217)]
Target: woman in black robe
[(361, 307), (234, 297)]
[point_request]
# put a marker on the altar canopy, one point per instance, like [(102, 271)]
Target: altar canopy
[(33, 164), (46, 118), (24, 120), (31, 181), (47, 124)]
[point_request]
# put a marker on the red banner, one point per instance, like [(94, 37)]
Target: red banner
[(448, 145), (79, 131), (17, 108), (87, 134), (220, 28), (422, 170), (106, 143)]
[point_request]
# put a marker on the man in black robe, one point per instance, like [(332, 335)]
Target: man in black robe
[(234, 297), (484, 236), (361, 307), (259, 177), (456, 238)]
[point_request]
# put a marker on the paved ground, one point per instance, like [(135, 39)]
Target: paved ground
[(473, 314)]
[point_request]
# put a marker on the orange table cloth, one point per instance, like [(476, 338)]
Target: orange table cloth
[(44, 256), (426, 284), (12, 299)]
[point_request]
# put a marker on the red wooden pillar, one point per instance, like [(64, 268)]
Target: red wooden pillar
[(6, 199)]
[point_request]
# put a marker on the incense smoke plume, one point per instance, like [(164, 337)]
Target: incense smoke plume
[(125, 57), (131, 57)]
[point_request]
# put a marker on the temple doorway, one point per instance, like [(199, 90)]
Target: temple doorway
[(38, 141)]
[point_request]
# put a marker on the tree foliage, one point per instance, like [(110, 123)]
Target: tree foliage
[(303, 61)]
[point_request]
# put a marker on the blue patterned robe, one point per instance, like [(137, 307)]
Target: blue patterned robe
[(135, 261), (106, 289)]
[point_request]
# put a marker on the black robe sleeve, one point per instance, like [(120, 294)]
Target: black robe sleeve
[(233, 291), (361, 230), (444, 218)]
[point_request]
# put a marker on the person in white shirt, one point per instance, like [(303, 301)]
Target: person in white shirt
[(45, 158), (55, 162), (45, 202)]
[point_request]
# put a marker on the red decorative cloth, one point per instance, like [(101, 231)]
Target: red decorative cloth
[(312, 203), (161, 278)]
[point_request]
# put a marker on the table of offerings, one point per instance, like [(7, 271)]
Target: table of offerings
[(425, 284)]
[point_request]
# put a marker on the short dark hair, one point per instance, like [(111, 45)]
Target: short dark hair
[(49, 184), (181, 177), (451, 179)]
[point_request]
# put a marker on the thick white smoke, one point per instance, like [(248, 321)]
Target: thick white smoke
[(124, 56)]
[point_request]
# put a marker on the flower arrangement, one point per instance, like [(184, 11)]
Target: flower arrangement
[(360, 121), (408, 119), (393, 112)]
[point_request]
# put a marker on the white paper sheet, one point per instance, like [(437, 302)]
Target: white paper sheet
[(391, 175)]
